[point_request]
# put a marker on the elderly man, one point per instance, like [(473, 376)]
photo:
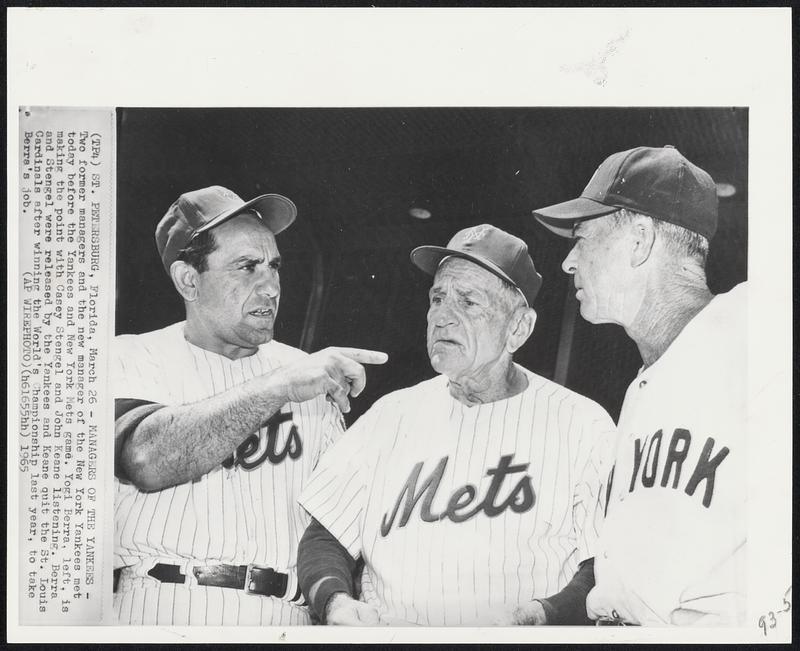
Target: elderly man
[(473, 498), (218, 427), (673, 544)]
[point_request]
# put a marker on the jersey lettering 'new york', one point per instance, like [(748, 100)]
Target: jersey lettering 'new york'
[(666, 469), (246, 510), (458, 509), (677, 494)]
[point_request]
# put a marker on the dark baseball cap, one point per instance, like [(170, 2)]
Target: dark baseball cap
[(201, 210), (656, 181), (493, 249)]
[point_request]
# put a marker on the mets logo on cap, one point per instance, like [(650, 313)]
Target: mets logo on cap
[(476, 233)]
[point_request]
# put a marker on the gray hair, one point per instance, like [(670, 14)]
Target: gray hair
[(680, 242), (510, 298)]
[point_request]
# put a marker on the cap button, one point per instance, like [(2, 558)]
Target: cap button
[(669, 146)]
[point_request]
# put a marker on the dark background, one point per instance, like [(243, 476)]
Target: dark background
[(354, 173)]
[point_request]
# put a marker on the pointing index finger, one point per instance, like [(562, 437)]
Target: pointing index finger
[(363, 356)]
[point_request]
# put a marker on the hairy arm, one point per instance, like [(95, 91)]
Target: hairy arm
[(176, 444), (173, 445)]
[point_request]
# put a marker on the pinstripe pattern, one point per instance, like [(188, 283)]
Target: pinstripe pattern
[(447, 573), (234, 515)]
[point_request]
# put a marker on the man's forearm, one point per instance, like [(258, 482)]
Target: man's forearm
[(177, 444), (324, 567), (569, 605)]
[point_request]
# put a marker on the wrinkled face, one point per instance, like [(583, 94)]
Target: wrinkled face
[(467, 320), (600, 264), (237, 296)]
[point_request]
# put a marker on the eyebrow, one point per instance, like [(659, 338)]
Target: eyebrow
[(466, 293), (254, 258)]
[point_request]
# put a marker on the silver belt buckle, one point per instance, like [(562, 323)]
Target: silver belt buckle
[(247, 576)]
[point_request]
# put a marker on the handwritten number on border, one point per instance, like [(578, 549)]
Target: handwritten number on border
[(769, 621)]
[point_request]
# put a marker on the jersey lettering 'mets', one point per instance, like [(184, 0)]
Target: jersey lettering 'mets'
[(649, 470), (520, 499), (255, 450)]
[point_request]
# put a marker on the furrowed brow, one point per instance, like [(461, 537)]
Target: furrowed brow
[(471, 294), (247, 258)]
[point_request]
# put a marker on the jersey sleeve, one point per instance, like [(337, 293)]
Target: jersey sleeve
[(597, 438), (333, 426), (128, 414), (336, 493), (134, 370)]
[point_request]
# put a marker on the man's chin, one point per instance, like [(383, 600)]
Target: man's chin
[(592, 317), (441, 363), (260, 337)]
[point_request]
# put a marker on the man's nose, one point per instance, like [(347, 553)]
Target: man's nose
[(442, 315), (570, 264), (269, 284)]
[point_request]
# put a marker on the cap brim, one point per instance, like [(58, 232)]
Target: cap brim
[(429, 257), (276, 211), (561, 217)]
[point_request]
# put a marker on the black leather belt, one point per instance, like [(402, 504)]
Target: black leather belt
[(253, 579)]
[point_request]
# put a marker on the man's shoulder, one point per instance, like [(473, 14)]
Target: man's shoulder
[(149, 342), (414, 397), (559, 396), (387, 412), (430, 388), (275, 350), (722, 324), (731, 306)]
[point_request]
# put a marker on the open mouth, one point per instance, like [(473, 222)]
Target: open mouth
[(261, 313)]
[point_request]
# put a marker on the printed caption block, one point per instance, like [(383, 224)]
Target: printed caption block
[(65, 297)]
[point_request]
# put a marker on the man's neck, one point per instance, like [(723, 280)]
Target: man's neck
[(197, 335), (664, 314), (499, 383)]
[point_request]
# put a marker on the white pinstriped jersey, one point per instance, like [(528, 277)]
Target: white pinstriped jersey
[(674, 542), (457, 509), (240, 514)]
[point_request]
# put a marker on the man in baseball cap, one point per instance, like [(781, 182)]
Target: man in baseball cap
[(201, 210), (474, 497), (673, 543), (218, 427)]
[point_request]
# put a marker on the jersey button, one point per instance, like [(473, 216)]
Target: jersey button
[(642, 384)]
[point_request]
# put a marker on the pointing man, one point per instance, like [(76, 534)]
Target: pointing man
[(673, 544), (474, 498), (219, 427)]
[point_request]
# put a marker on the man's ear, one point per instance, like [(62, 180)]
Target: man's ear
[(184, 277), (521, 327), (643, 236)]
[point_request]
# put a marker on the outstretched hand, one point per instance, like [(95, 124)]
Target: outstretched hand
[(337, 373)]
